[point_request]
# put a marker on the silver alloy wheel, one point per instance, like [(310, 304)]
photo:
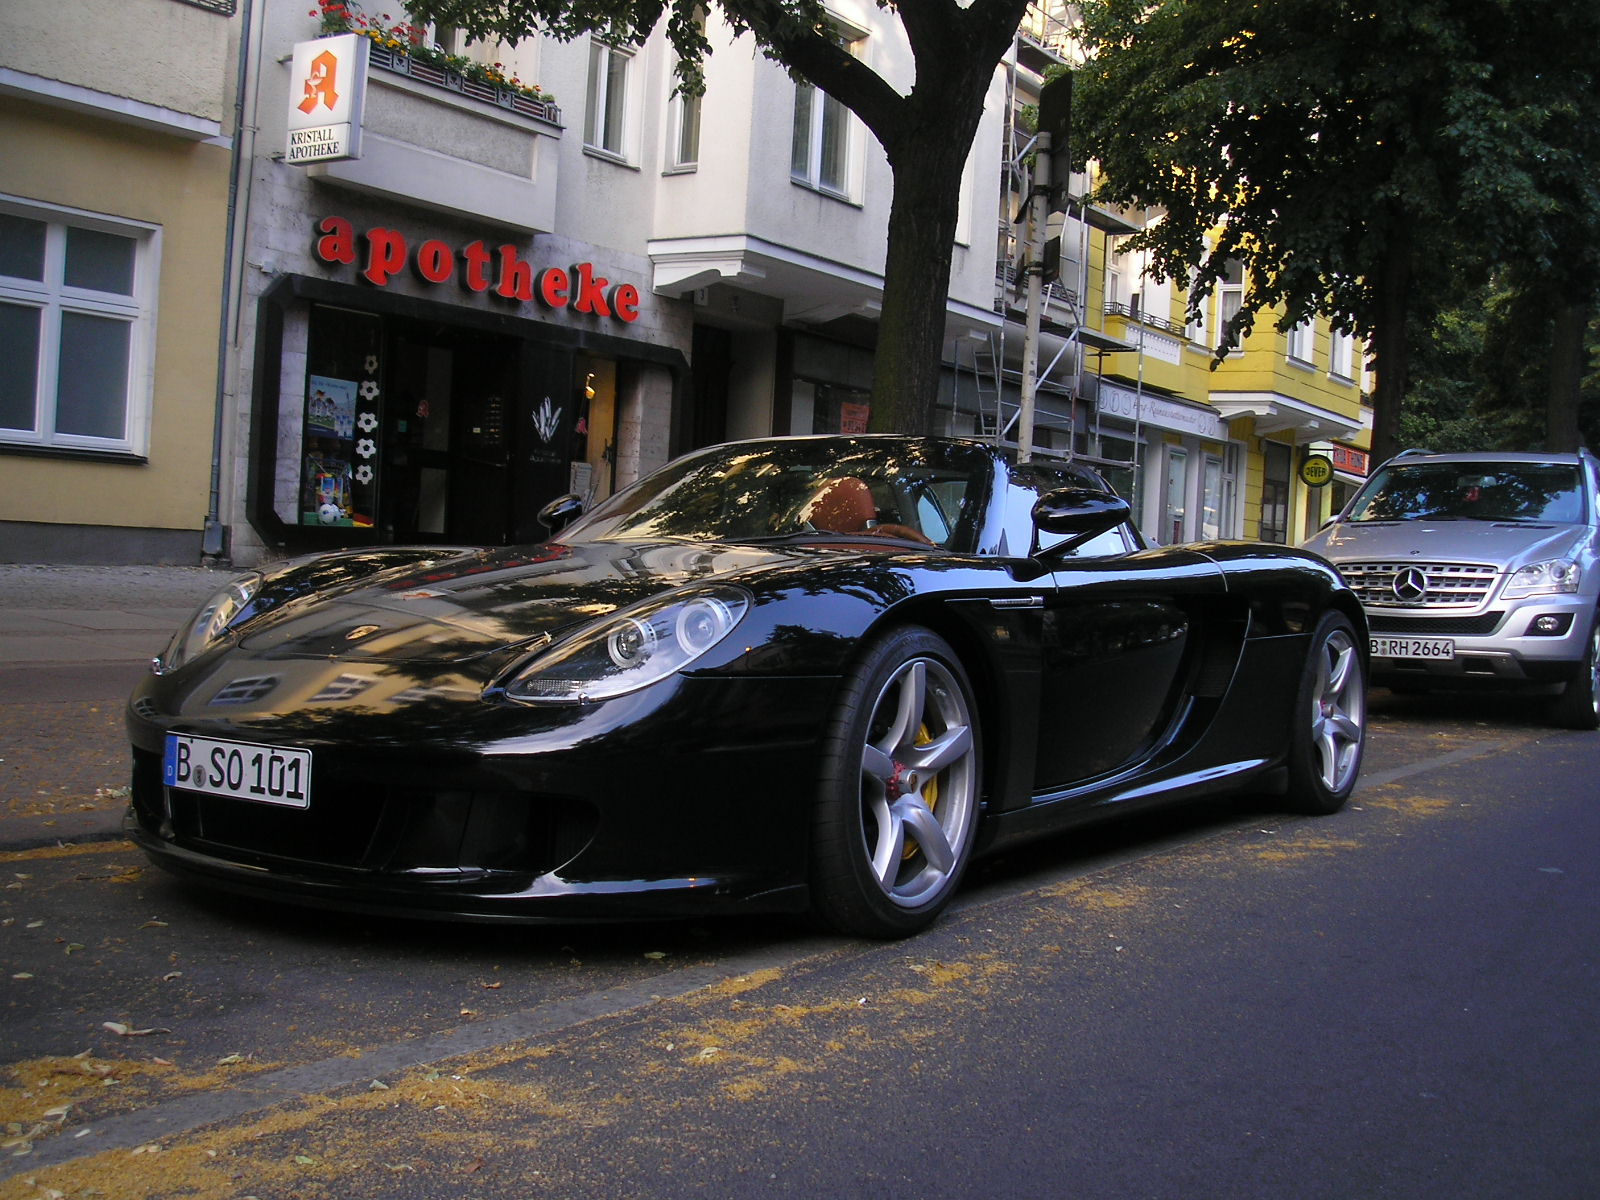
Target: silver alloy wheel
[(919, 782), (1339, 710)]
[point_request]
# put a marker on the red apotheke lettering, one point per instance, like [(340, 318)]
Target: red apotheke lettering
[(381, 254)]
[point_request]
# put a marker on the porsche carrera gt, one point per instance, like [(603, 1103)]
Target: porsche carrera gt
[(797, 674)]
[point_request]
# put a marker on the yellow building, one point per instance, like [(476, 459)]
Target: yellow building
[(114, 171), (1264, 445), (1283, 399)]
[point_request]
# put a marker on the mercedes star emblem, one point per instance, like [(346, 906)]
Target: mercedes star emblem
[(1410, 585)]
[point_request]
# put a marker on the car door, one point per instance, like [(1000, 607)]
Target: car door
[(1120, 640)]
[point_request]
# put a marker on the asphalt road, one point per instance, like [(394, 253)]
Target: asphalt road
[(1394, 1001)]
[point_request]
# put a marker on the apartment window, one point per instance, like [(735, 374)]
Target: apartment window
[(75, 327), (821, 148), (1341, 355), (605, 122), (1197, 332), (1230, 296), (1301, 343), (1116, 289), (684, 151)]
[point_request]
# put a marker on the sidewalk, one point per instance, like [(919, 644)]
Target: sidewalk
[(73, 642)]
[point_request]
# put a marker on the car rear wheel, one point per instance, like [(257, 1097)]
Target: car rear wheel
[(898, 801), (1330, 719), (1578, 706)]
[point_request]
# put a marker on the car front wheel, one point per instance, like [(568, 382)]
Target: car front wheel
[(898, 799), (1578, 706), (1330, 719)]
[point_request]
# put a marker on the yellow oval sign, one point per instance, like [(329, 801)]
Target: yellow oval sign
[(1316, 470)]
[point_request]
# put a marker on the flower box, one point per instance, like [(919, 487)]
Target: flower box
[(515, 99)]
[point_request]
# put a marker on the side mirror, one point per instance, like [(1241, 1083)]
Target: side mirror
[(1079, 513), (561, 512)]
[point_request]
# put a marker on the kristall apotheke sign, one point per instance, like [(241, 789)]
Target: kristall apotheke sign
[(327, 87), (380, 254)]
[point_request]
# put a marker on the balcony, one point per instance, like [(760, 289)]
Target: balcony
[(435, 139)]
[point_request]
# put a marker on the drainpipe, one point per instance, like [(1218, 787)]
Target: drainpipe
[(214, 536)]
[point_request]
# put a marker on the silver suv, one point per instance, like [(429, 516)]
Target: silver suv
[(1479, 569)]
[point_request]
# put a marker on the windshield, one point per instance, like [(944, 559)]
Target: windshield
[(1472, 491), (926, 494)]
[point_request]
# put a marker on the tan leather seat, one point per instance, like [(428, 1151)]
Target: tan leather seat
[(842, 506)]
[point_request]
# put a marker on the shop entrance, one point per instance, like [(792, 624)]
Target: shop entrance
[(424, 424), (447, 435)]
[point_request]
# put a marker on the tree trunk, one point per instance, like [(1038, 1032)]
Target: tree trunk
[(1391, 346), (916, 286), (1566, 374)]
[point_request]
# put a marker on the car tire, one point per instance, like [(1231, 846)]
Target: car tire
[(900, 780), (1578, 706), (1330, 719)]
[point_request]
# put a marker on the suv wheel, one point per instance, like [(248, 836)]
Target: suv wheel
[(1578, 707)]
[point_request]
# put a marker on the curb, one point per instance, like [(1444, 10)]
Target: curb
[(64, 829)]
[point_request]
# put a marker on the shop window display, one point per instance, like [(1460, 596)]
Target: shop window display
[(343, 412)]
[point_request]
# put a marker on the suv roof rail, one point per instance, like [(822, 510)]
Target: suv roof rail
[(1413, 450)]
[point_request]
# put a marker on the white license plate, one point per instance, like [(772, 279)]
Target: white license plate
[(1412, 647), (242, 770)]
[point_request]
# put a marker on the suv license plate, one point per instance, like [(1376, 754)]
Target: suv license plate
[(241, 770), (1404, 647)]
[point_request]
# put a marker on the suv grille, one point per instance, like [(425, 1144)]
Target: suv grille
[(1477, 626), (1419, 585)]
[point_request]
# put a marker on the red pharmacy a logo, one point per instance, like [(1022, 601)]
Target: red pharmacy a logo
[(320, 82)]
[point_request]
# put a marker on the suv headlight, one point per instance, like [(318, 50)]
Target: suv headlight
[(209, 622), (630, 649), (1553, 578)]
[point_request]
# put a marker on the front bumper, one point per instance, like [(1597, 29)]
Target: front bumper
[(1500, 646), (693, 799)]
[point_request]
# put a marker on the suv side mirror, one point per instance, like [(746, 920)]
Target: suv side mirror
[(1079, 513)]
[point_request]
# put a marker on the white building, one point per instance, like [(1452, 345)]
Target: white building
[(500, 301)]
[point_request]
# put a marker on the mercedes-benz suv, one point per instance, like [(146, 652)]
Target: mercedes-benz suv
[(1479, 569)]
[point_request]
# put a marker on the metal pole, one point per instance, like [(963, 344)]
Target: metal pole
[(1033, 265), (214, 535)]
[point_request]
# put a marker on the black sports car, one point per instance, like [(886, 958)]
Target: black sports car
[(799, 673)]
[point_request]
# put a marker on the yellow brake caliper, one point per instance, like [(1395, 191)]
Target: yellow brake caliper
[(930, 792)]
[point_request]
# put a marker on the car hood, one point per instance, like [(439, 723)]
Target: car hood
[(1506, 544), (466, 607)]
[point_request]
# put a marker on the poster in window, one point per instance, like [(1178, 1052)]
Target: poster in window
[(341, 454)]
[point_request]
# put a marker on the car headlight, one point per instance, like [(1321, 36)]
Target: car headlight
[(208, 623), (631, 649), (1553, 578)]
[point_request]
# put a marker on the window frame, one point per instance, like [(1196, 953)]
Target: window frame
[(854, 41), (1229, 295), (1198, 329), (1301, 343), (597, 102), (686, 114), (53, 298), (1341, 355)]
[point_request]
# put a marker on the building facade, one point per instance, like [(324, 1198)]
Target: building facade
[(1264, 444), (522, 290), (114, 182), (539, 271)]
